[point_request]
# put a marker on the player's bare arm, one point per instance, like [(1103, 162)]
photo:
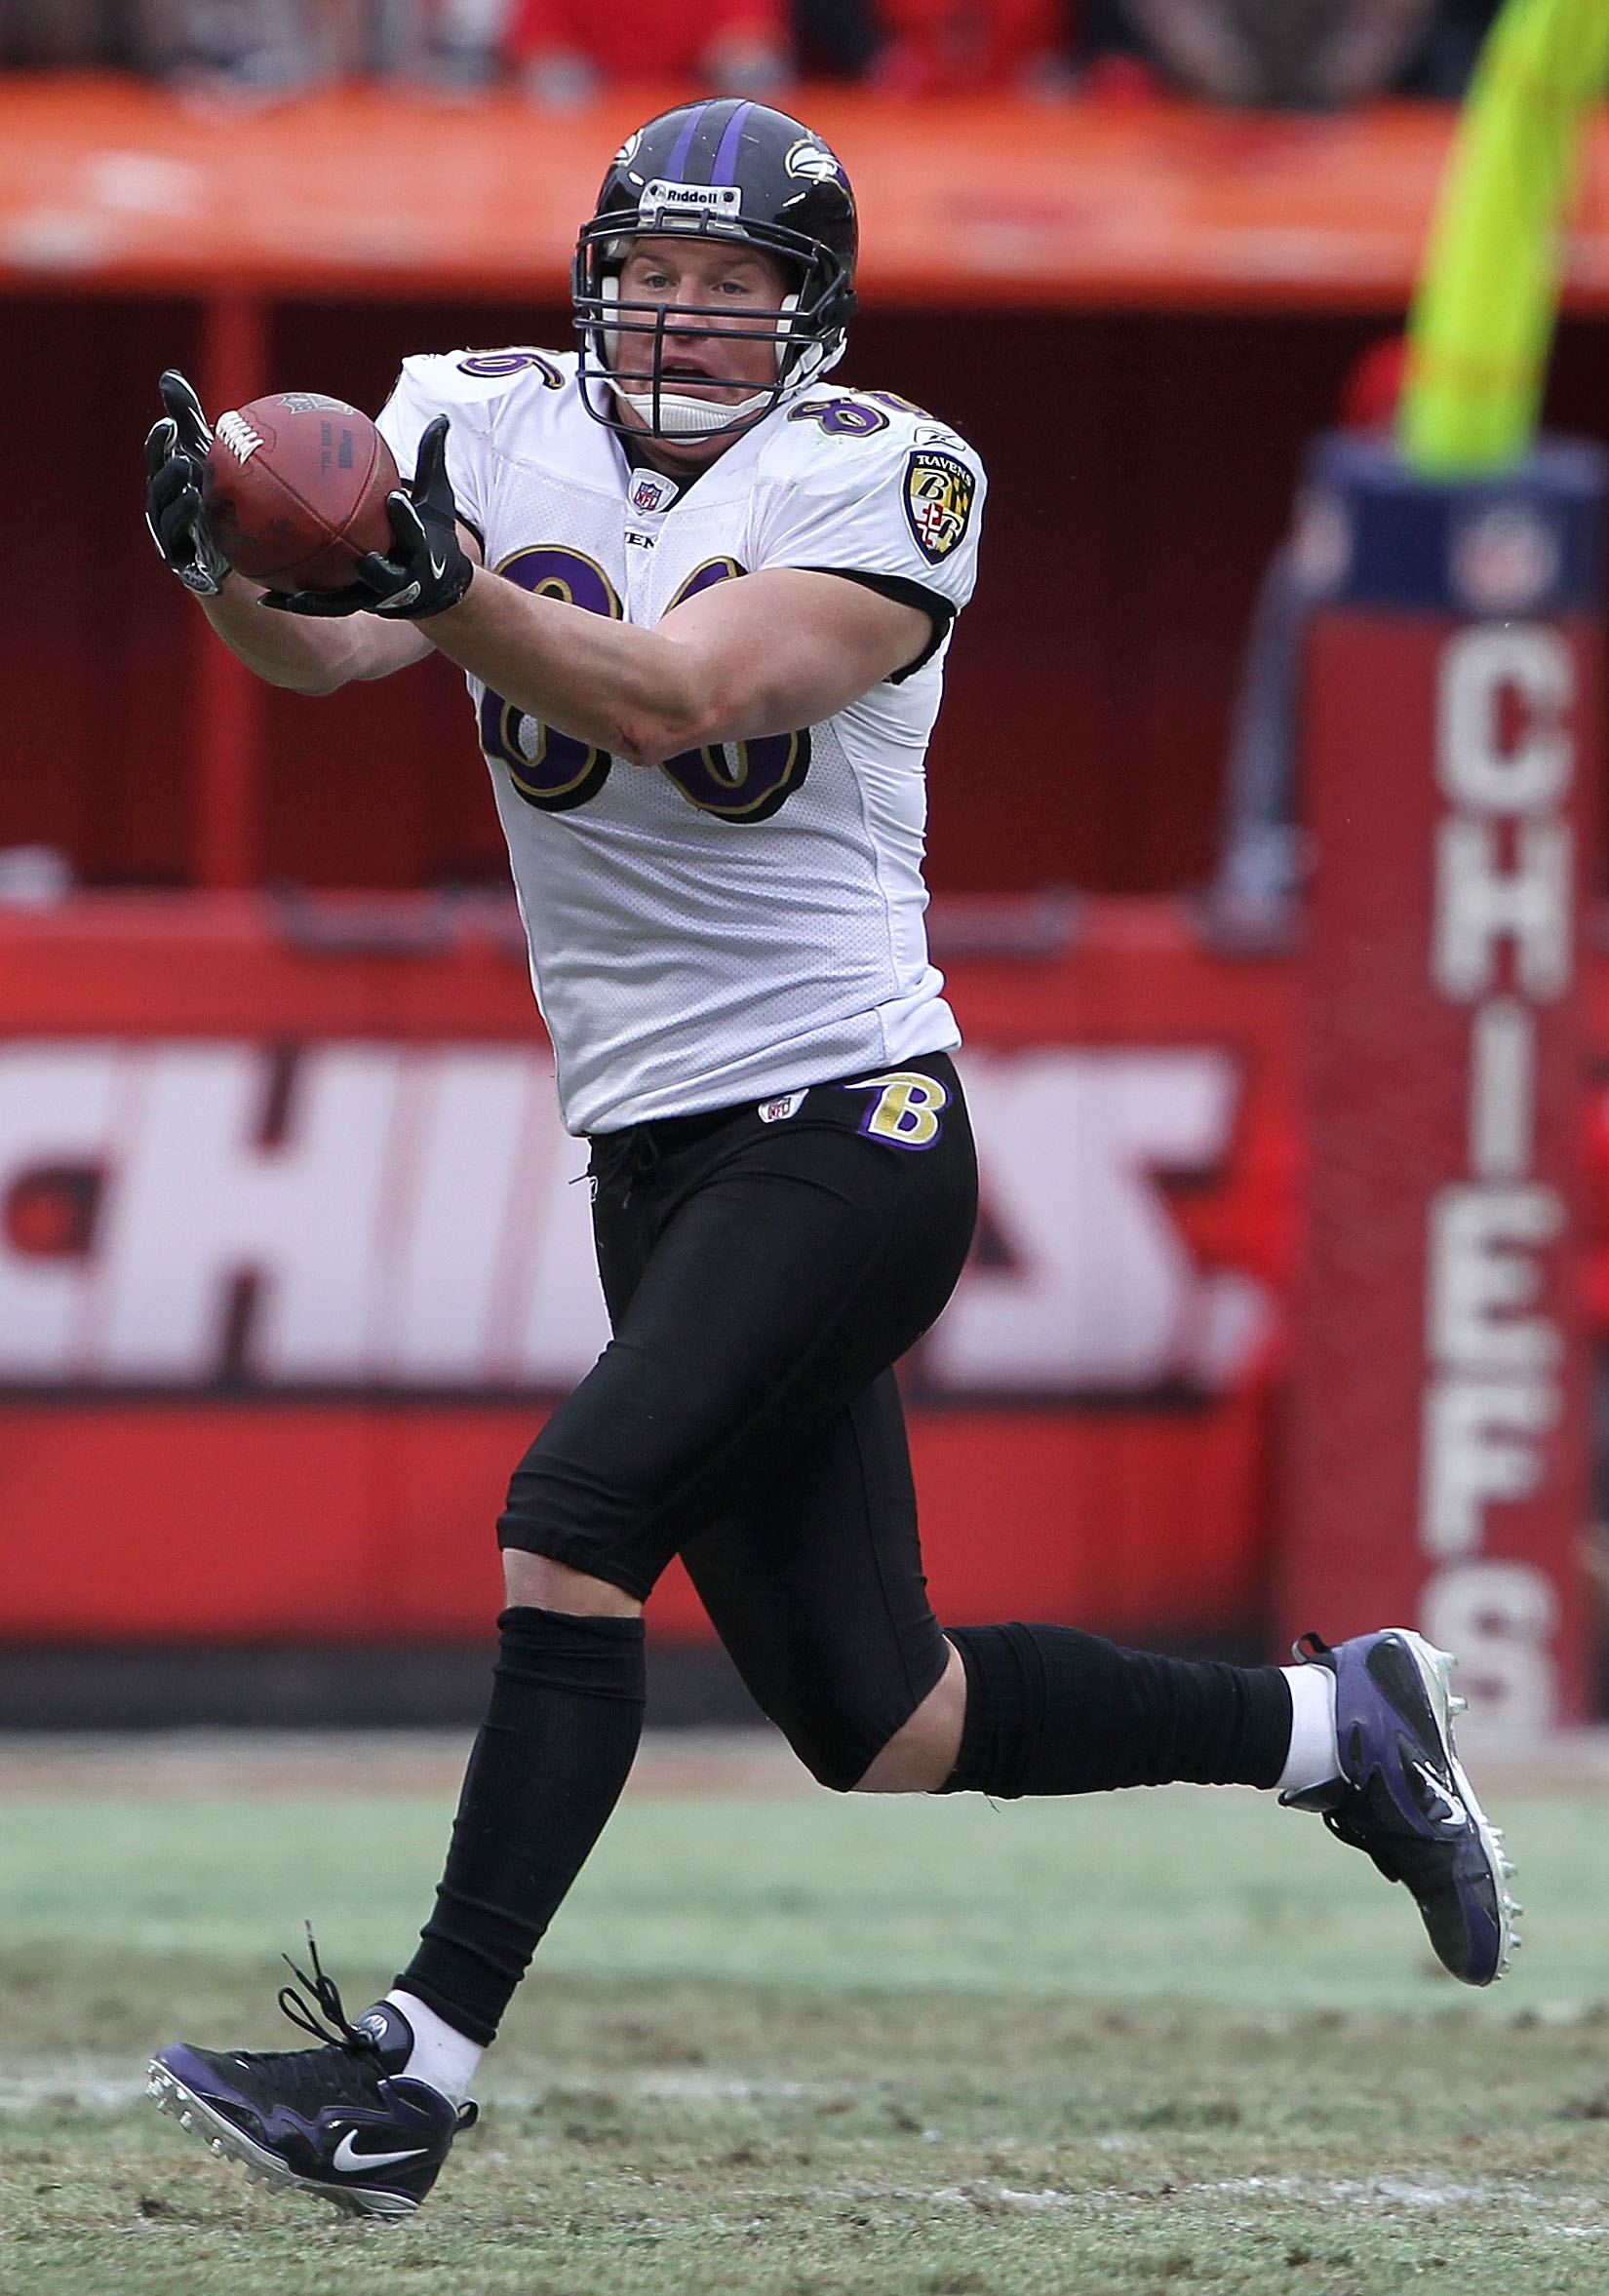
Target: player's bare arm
[(780, 649), (306, 656)]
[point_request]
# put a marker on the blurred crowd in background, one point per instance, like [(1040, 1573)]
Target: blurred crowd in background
[(1301, 53)]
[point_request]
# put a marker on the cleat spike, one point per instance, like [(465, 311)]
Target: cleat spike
[(1458, 1705), (186, 2120)]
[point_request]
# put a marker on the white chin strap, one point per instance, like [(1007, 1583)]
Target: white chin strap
[(683, 417)]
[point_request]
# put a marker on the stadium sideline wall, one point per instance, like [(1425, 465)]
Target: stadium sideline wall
[(292, 1261)]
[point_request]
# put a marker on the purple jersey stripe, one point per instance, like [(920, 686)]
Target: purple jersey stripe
[(676, 164), (725, 157)]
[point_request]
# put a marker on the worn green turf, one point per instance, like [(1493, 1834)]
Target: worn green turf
[(804, 2048)]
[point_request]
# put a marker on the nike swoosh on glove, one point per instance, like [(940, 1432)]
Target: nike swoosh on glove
[(428, 569), (176, 454)]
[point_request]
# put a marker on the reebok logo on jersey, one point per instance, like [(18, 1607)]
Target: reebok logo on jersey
[(786, 1104), (938, 500)]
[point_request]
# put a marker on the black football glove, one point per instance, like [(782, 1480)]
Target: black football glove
[(175, 452), (428, 569)]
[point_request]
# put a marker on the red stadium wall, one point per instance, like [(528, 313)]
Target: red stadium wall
[(1096, 1424), (274, 1328)]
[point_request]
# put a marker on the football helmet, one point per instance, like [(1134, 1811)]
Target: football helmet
[(721, 168)]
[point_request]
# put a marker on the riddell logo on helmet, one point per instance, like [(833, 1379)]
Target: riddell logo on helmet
[(704, 199)]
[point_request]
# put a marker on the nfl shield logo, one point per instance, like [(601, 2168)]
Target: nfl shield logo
[(785, 1105), (651, 490), (938, 501)]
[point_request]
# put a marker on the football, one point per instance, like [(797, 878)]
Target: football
[(295, 486)]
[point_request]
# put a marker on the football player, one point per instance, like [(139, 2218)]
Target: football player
[(701, 594)]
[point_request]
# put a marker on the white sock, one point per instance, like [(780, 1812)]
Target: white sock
[(1314, 1756), (441, 2054)]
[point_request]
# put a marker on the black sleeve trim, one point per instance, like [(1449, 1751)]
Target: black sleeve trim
[(903, 592)]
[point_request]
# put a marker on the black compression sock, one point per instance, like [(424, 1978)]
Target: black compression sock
[(1053, 1711), (547, 1769)]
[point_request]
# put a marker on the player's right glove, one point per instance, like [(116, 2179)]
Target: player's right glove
[(427, 569), (176, 453)]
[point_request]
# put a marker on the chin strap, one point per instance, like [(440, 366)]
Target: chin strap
[(683, 417)]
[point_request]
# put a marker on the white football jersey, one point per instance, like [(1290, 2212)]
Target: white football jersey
[(739, 921)]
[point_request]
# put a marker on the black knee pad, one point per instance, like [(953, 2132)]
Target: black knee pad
[(836, 1742)]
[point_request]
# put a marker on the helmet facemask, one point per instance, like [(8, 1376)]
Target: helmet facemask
[(807, 328)]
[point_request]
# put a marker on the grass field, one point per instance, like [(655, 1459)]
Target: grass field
[(789, 2045)]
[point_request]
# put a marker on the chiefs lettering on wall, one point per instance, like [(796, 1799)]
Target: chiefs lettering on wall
[(295, 1256), (182, 1214)]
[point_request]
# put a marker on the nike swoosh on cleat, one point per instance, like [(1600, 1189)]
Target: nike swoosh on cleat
[(351, 2162), (438, 568), (1454, 1814)]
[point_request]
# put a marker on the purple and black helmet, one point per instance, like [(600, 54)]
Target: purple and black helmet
[(721, 168)]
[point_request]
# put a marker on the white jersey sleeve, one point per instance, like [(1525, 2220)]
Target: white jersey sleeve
[(474, 390), (864, 485)]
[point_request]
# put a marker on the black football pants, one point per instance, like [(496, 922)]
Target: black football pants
[(761, 1277)]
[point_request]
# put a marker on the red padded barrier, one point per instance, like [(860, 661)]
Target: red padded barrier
[(1091, 1421)]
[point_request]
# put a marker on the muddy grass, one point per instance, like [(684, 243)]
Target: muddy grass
[(688, 2137), (788, 2047)]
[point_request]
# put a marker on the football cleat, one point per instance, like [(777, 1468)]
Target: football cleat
[(1403, 1797), (341, 2121)]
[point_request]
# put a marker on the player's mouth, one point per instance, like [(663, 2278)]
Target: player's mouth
[(688, 376)]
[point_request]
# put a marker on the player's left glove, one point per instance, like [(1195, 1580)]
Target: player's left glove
[(428, 570), (176, 454)]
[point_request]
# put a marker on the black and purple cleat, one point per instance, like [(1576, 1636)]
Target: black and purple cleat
[(1404, 1796), (339, 2121)]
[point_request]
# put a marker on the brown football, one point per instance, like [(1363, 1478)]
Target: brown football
[(295, 486)]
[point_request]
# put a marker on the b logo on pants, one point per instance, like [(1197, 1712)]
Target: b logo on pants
[(906, 1110)]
